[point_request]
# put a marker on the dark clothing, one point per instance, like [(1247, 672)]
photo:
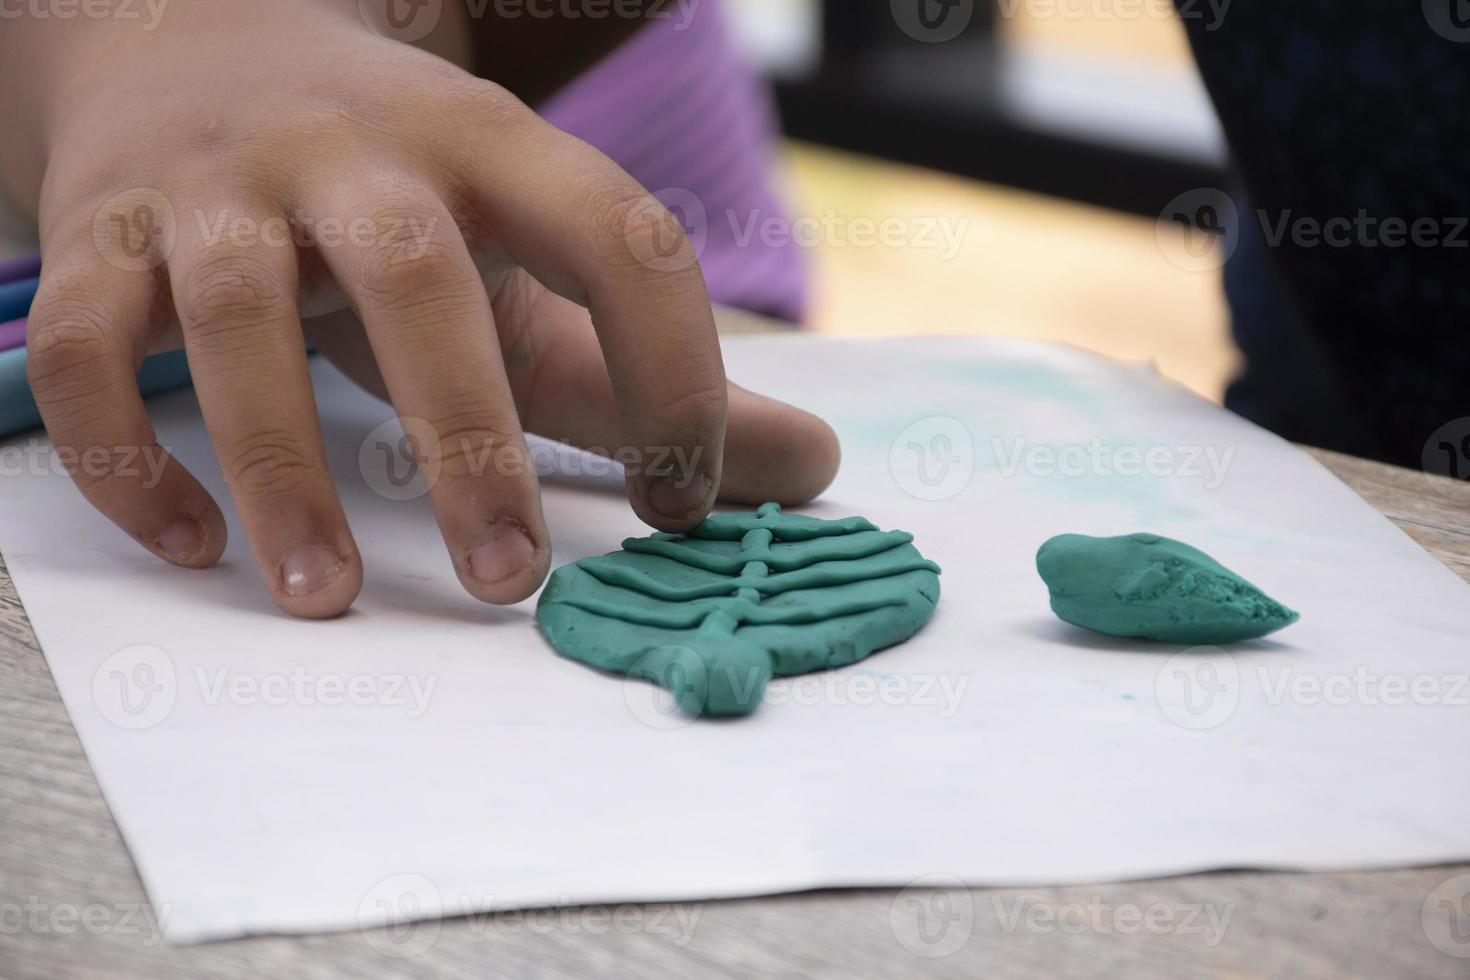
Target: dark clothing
[(1356, 115)]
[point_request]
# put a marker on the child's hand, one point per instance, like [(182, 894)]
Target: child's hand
[(173, 162)]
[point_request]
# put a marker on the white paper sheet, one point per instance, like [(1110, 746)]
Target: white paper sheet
[(274, 775)]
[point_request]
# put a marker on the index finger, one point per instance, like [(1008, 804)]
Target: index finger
[(587, 230)]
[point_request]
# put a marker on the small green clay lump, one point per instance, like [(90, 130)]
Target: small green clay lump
[(1154, 588)]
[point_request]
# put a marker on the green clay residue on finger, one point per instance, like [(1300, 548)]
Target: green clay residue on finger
[(714, 614), (1150, 587)]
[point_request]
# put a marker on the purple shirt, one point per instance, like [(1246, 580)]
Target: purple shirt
[(683, 113), (680, 110)]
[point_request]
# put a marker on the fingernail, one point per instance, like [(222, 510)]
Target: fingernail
[(679, 496), (310, 569), (506, 552), (182, 539)]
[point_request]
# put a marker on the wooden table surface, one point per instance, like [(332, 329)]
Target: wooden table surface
[(71, 904)]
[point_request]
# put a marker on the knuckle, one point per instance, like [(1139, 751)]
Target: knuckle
[(70, 341), (470, 446), (638, 230), (489, 105), (271, 463), (408, 265), (226, 290)]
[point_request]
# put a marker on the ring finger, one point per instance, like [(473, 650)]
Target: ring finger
[(236, 301)]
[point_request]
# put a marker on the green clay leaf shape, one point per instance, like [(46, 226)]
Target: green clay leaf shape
[(1144, 586), (714, 614)]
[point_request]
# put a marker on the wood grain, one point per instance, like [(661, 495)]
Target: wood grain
[(61, 857)]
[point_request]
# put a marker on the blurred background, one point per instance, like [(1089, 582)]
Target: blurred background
[(1032, 145), (1051, 134)]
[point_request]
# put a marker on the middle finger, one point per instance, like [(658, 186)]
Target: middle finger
[(408, 274)]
